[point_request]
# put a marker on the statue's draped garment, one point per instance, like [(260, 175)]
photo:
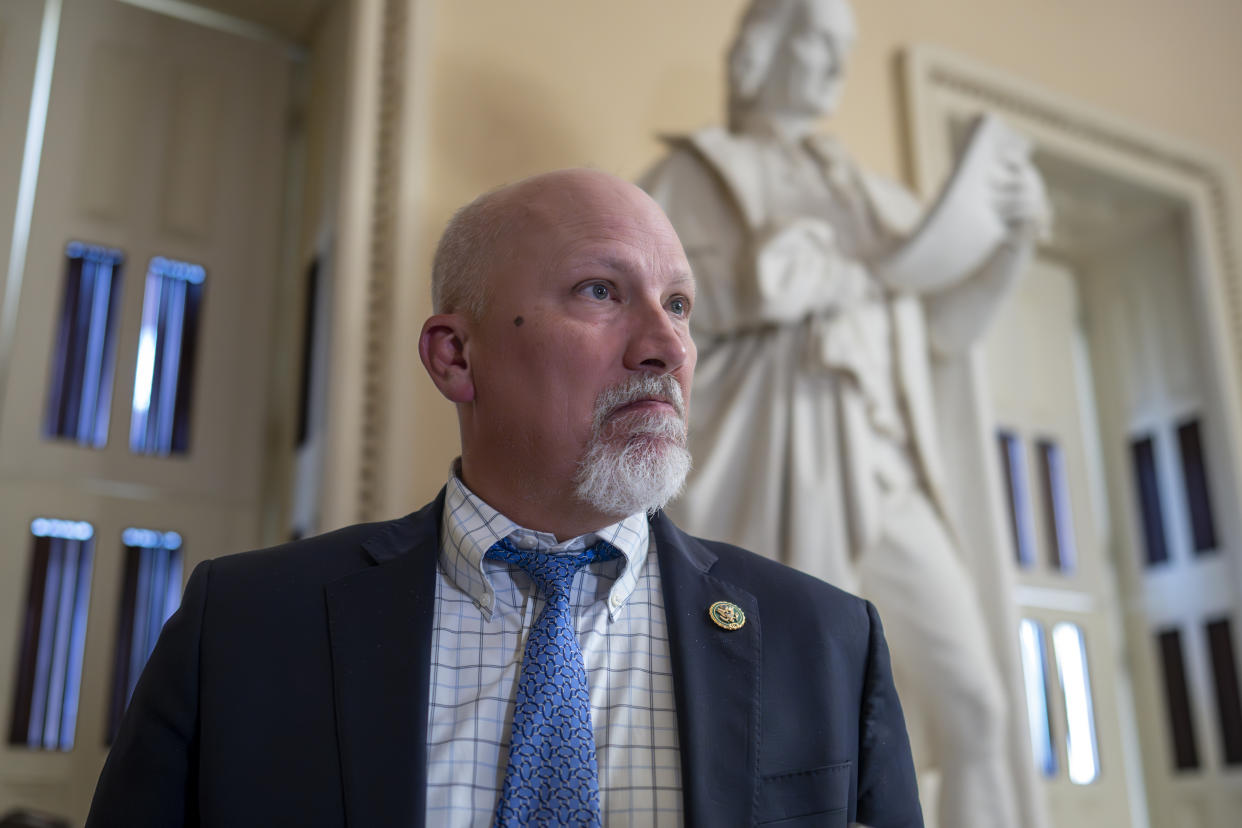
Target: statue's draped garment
[(812, 397)]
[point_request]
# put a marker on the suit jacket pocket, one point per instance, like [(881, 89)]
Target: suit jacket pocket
[(815, 797)]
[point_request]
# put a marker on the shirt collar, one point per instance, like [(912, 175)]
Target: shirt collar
[(470, 527)]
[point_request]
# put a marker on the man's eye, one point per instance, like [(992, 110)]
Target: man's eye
[(679, 306), (599, 291)]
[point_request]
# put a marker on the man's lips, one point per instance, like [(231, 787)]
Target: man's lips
[(649, 404)]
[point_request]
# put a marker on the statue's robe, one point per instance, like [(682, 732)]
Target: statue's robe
[(813, 392)]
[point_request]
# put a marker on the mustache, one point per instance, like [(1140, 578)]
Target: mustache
[(662, 387)]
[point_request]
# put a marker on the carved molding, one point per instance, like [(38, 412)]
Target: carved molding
[(384, 231), (935, 70)]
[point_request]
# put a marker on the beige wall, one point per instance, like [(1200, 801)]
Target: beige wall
[(515, 88)]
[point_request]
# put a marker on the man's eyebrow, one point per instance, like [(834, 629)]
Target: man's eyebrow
[(683, 280), (609, 262)]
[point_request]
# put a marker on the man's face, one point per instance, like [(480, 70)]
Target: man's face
[(807, 72), (591, 292)]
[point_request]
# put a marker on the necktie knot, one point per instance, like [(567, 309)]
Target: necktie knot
[(552, 574)]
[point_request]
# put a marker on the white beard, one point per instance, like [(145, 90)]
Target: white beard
[(635, 462)]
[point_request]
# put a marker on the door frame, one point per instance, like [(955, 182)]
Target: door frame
[(943, 89)]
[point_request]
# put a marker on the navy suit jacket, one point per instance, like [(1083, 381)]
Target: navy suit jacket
[(291, 688)]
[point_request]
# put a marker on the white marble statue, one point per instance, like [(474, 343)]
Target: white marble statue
[(822, 293)]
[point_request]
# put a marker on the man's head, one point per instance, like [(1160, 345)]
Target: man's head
[(562, 333), (789, 58)]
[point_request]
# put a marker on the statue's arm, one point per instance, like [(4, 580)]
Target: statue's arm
[(994, 200), (965, 258), (959, 316)]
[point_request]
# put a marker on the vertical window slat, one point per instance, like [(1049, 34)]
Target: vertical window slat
[(144, 373), (46, 643), (1059, 518), (1177, 699), (123, 653), (80, 387), (185, 376), (1035, 678), (158, 371), (150, 593), (1017, 496), (1228, 698), (308, 360), (57, 680), (1195, 485), (77, 352), (1147, 487), (49, 673), (170, 361), (78, 365), (167, 343), (54, 414), (23, 699), (1082, 750), (77, 646), (138, 655), (96, 338)]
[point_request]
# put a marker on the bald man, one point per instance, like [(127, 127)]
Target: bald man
[(430, 671)]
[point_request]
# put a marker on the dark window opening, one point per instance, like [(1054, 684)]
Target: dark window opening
[(1059, 520), (1143, 453), (1014, 470), (1195, 480), (308, 345), (53, 635), (164, 378), (1177, 698), (150, 593), (83, 357), (1228, 699)]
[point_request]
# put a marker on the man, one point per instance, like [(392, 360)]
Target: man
[(406, 673), (814, 375)]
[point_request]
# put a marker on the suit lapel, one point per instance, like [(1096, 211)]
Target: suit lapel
[(380, 622), (716, 680)]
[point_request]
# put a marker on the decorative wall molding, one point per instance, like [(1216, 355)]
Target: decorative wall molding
[(931, 71), (384, 231)]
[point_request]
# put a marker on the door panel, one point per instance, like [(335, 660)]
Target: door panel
[(1043, 393), (163, 139)]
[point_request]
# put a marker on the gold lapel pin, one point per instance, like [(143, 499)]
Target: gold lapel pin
[(727, 615)]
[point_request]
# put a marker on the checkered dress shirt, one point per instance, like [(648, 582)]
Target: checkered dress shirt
[(484, 611)]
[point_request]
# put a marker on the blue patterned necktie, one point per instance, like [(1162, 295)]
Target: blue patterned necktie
[(552, 778)]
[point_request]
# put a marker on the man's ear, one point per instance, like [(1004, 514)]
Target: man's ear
[(442, 347)]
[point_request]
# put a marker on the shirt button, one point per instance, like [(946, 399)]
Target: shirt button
[(525, 542), (616, 600)]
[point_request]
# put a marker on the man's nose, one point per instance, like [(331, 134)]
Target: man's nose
[(658, 342)]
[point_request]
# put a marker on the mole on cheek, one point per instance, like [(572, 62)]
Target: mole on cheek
[(517, 321)]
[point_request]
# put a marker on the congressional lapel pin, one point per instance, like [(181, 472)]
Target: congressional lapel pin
[(727, 615)]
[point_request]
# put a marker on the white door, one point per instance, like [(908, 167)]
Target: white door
[(1048, 447), (1176, 523)]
